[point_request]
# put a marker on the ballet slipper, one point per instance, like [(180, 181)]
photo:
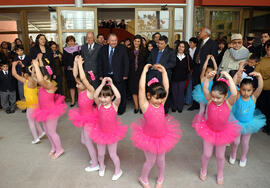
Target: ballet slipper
[(220, 181), (159, 184), (55, 156), (51, 152), (145, 185), (203, 177)]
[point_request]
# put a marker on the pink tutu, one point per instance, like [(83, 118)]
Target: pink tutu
[(80, 120), (85, 114), (155, 132), (108, 129), (51, 106), (217, 129)]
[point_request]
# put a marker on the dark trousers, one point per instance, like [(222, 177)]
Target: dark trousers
[(121, 86), (8, 100), (178, 91), (59, 85), (263, 103), (196, 80)]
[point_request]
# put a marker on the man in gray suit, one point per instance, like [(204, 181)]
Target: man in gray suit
[(90, 51)]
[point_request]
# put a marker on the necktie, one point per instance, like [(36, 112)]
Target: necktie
[(159, 56), (110, 61), (197, 60), (90, 48)]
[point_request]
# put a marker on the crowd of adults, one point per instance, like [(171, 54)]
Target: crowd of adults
[(123, 61)]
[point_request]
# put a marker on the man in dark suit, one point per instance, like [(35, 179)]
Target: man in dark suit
[(205, 47), (89, 52), (165, 56), (113, 62), (7, 89)]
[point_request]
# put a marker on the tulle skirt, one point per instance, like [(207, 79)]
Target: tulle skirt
[(153, 144), (54, 112), (81, 119), (23, 105), (103, 138), (198, 95), (255, 125), (217, 138)]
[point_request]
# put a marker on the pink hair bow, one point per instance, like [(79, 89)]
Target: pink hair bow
[(92, 76), (152, 81), (49, 70), (224, 80)]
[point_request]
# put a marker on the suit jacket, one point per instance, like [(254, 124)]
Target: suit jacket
[(209, 48), (7, 82), (120, 62), (91, 60), (168, 60)]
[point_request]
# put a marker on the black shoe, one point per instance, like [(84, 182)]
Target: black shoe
[(71, 105), (23, 111), (166, 111), (140, 111), (173, 110), (136, 111), (179, 111), (8, 111), (120, 113), (193, 107), (12, 111)]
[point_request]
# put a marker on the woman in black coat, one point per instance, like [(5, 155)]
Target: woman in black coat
[(41, 46), (137, 59), (179, 75), (69, 54)]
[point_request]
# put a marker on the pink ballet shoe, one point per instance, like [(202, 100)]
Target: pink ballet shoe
[(220, 181), (145, 185), (203, 177), (159, 184), (55, 156), (51, 152)]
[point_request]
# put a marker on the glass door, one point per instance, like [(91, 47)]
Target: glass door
[(76, 22)]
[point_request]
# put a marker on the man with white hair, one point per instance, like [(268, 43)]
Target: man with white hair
[(206, 46), (234, 55), (90, 51)]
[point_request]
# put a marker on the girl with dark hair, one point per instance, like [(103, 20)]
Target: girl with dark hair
[(29, 80), (216, 130), (155, 134), (150, 45), (137, 60), (50, 106), (69, 54), (250, 119), (86, 114), (179, 75)]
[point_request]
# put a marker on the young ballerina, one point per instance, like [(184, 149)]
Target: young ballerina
[(50, 107), (156, 133), (108, 131), (31, 99), (217, 130), (197, 93), (86, 114), (251, 120)]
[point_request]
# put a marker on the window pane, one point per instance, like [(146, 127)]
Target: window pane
[(79, 37), (199, 18), (42, 21), (72, 19), (151, 20), (224, 20), (178, 18), (10, 22)]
